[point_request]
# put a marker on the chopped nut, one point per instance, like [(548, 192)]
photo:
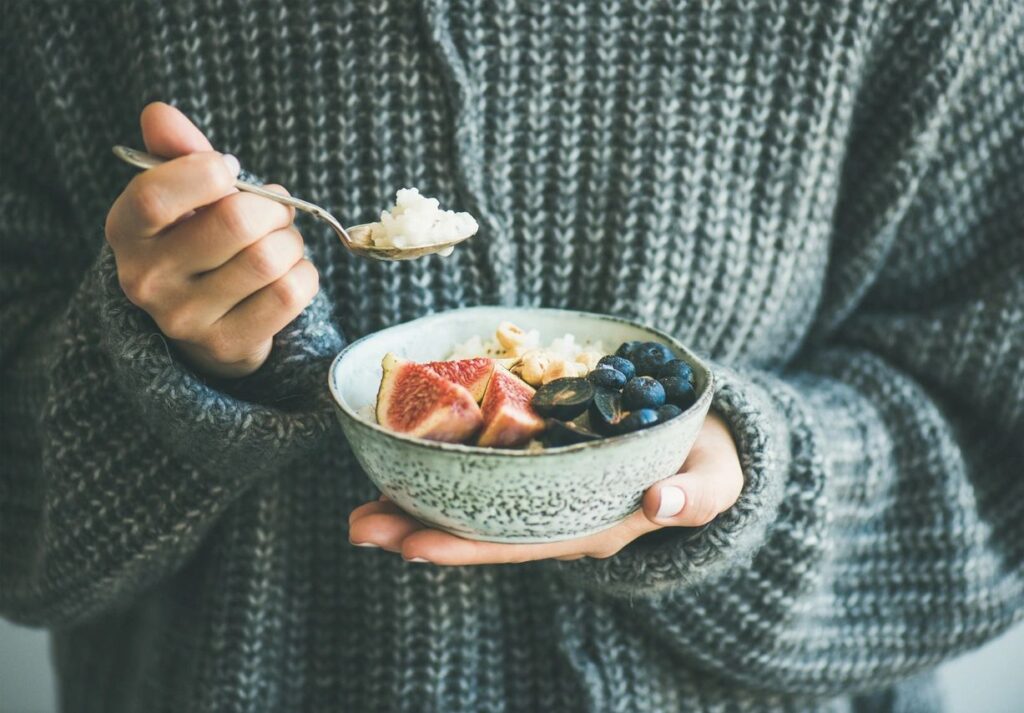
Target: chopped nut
[(510, 336), (559, 368), (589, 360), (531, 367), (516, 351)]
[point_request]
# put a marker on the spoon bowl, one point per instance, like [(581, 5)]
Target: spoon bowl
[(355, 239), (360, 235)]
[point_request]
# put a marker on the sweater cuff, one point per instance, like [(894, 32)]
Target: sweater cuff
[(248, 425), (678, 557)]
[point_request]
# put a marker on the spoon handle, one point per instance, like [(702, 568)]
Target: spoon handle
[(143, 160)]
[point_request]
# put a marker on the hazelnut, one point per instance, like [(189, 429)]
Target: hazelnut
[(532, 367)]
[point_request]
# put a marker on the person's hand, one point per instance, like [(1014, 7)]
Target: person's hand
[(709, 483), (219, 271)]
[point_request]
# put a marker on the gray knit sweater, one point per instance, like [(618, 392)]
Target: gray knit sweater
[(826, 198)]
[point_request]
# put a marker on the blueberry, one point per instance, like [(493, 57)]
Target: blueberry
[(678, 391), (563, 398), (607, 377), (619, 364), (641, 418), (650, 358), (676, 367), (668, 411), (566, 433), (642, 392), (606, 410), (626, 349)]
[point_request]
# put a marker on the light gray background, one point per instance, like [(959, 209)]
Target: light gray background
[(989, 680)]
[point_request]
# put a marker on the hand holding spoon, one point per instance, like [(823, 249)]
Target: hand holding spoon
[(355, 239)]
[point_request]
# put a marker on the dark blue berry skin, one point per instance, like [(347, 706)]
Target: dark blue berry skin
[(668, 411), (566, 433), (563, 398), (607, 378), (678, 391), (626, 349), (650, 358), (606, 410), (676, 367), (642, 392), (619, 364), (641, 418)]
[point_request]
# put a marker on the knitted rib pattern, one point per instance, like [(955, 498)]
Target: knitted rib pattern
[(825, 198)]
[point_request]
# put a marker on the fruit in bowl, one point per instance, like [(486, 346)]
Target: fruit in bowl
[(459, 439), (439, 400)]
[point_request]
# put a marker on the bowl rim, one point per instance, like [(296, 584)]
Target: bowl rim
[(343, 407)]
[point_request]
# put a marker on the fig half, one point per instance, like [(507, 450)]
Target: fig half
[(414, 400)]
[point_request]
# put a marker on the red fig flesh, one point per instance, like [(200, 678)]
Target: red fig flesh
[(472, 374), (509, 420), (413, 399)]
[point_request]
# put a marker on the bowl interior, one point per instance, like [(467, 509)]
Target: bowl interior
[(356, 373)]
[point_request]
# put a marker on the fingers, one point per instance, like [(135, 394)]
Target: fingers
[(372, 508), (446, 549), (380, 524), (157, 197), (443, 548), (186, 309), (266, 312), (169, 133), (383, 524), (263, 262), (386, 529), (239, 341), (220, 232)]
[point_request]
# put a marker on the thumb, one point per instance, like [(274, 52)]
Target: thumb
[(688, 499), (169, 133), (709, 484)]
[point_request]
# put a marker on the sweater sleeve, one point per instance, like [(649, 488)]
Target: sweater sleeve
[(125, 458), (117, 459), (880, 529)]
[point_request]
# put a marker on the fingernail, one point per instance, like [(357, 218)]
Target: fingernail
[(232, 163), (417, 559), (365, 544), (672, 501)]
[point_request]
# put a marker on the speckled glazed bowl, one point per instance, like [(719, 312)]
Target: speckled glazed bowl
[(506, 495)]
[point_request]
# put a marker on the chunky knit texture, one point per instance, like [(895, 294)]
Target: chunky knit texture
[(824, 197)]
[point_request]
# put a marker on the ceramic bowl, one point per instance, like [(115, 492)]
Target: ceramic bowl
[(504, 495)]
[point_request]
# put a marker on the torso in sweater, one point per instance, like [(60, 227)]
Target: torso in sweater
[(675, 163)]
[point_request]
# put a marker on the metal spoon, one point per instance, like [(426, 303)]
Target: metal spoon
[(355, 239)]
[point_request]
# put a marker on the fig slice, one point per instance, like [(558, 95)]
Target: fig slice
[(509, 420), (414, 400), (472, 374)]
